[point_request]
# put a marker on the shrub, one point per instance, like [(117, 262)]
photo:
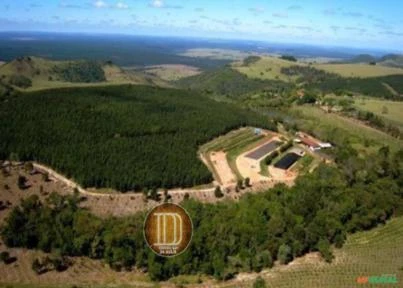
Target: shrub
[(6, 258), (22, 182), (218, 193), (284, 254), (286, 146), (20, 81), (259, 283), (247, 182), (271, 157), (324, 250), (289, 58), (45, 264)]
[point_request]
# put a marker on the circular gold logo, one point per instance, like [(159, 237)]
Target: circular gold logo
[(168, 229)]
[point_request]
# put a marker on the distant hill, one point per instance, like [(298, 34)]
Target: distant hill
[(390, 57), (391, 60), (363, 58), (38, 73)]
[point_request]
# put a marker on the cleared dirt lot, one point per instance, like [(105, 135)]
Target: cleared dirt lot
[(219, 160), (250, 168)]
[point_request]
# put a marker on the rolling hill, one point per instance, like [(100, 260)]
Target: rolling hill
[(271, 68), (390, 60), (35, 73)]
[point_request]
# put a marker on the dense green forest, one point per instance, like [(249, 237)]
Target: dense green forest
[(81, 71), (126, 137), (230, 83), (280, 224), (123, 50)]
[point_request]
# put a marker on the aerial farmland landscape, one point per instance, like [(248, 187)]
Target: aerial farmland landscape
[(167, 143)]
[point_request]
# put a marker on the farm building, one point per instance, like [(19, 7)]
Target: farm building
[(311, 142)]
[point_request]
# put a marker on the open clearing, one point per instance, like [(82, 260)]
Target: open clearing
[(267, 68), (172, 72), (240, 154), (219, 161), (390, 110)]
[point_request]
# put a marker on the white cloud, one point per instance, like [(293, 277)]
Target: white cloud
[(100, 4), (157, 3), (122, 5), (257, 10), (280, 15)]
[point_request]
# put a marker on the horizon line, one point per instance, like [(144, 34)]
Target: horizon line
[(212, 38)]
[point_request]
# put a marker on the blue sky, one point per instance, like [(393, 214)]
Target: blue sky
[(351, 23)]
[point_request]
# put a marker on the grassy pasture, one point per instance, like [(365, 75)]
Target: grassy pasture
[(359, 70), (332, 126), (267, 68), (172, 72), (389, 110)]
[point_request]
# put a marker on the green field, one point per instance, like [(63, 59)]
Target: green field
[(336, 129), (392, 111), (267, 68)]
